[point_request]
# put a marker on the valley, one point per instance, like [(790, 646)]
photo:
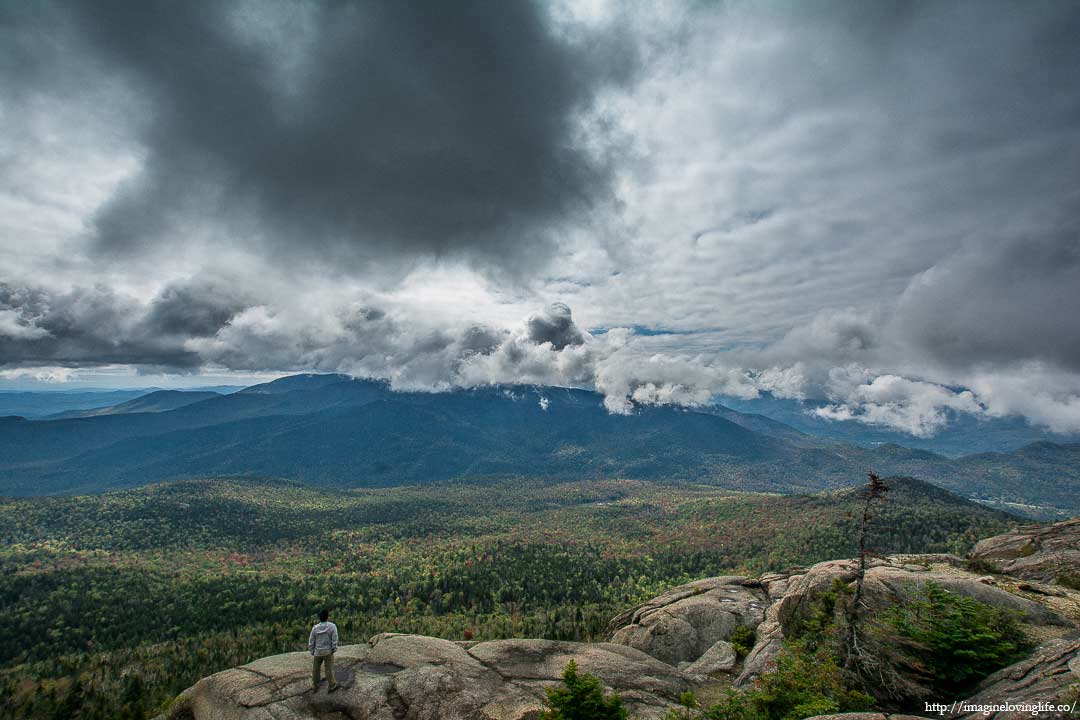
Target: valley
[(160, 539), (174, 581)]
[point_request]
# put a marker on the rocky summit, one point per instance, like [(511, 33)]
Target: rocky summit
[(1046, 553), (683, 640), (413, 676)]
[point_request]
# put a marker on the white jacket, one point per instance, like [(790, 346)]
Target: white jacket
[(323, 639)]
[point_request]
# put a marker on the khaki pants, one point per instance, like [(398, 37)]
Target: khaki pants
[(328, 662)]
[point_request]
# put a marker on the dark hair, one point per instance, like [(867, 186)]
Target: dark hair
[(323, 614)]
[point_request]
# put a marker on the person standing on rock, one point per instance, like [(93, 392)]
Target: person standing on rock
[(322, 644)]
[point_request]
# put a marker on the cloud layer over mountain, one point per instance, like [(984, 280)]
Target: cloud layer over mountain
[(871, 204)]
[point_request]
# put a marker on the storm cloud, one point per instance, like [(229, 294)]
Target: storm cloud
[(869, 204), (345, 132), (554, 325), (999, 301), (98, 326)]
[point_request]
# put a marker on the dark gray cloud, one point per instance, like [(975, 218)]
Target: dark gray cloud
[(195, 323), (999, 302), (82, 327), (98, 326), (554, 325), (193, 309), (346, 132), (481, 340)]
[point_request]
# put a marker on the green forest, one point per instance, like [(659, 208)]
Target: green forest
[(115, 603)]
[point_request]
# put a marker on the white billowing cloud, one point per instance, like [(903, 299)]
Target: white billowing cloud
[(789, 383), (915, 407), (372, 336), (420, 337), (519, 360), (626, 378), (1046, 396), (14, 325), (548, 348), (832, 336), (48, 375)]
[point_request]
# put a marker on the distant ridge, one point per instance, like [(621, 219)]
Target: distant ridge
[(339, 431), (37, 404), (306, 381), (962, 433), (159, 401)]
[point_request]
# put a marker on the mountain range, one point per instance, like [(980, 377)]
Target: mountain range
[(51, 403), (338, 431), (960, 434), (156, 401), (32, 404)]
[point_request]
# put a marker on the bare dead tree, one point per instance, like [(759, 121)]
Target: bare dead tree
[(874, 491)]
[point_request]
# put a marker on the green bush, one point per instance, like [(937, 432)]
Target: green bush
[(983, 566), (742, 640), (1069, 580), (806, 679), (954, 640), (689, 710), (805, 683), (734, 706), (582, 698), (820, 625)]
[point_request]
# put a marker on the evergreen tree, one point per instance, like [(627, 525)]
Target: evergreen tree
[(581, 697), (69, 705)]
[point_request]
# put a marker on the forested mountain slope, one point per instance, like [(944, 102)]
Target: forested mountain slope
[(179, 580), (332, 430)]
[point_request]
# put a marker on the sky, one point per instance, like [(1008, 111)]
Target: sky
[(872, 203)]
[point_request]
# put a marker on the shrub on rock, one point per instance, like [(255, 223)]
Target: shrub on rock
[(952, 640), (581, 697)]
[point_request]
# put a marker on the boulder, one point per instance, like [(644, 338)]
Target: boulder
[(1050, 675), (618, 667), (767, 645), (1043, 553), (801, 592), (423, 678), (889, 582), (886, 585), (674, 643), (682, 624), (720, 658)]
